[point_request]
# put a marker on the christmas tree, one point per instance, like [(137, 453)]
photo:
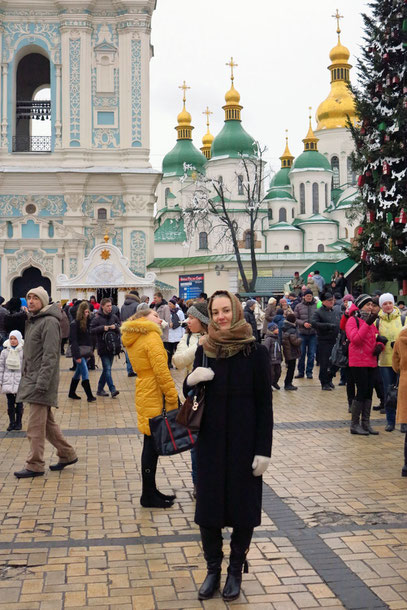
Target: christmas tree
[(380, 142)]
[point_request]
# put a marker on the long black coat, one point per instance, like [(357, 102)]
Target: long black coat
[(237, 424)]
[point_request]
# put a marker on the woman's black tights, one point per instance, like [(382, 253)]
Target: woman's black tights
[(149, 459)]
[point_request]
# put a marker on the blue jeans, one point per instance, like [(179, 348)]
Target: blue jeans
[(309, 344), (81, 370), (106, 376), (128, 363), (389, 378)]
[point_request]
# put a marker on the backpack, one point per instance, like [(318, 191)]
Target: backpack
[(112, 342)]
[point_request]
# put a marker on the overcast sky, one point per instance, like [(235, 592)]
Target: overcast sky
[(282, 52)]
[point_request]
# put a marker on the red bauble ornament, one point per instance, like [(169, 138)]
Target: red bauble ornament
[(363, 131), (397, 219), (360, 230), (386, 57), (361, 181), (386, 169), (387, 138), (395, 81), (371, 216), (383, 189), (403, 217), (363, 255)]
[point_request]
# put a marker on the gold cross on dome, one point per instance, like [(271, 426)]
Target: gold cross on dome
[(310, 111), (208, 113), (232, 65), (184, 88), (337, 16)]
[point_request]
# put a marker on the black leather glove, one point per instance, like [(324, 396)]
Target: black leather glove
[(392, 344), (381, 339), (371, 319), (378, 348)]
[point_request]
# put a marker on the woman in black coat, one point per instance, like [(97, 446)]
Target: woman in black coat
[(17, 316), (80, 337), (234, 445)]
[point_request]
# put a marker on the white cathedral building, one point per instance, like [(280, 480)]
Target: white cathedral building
[(82, 209)]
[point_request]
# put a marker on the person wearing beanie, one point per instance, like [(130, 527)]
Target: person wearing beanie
[(250, 317), (273, 345), (183, 359), (291, 342), (304, 313), (39, 384), (296, 283), (128, 309), (11, 360), (326, 323), (269, 313), (364, 346), (389, 325)]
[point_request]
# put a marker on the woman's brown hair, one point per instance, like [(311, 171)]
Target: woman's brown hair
[(80, 315)]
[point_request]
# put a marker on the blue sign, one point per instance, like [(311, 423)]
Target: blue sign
[(191, 286)]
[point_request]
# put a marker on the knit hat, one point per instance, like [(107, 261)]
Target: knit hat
[(272, 300), (41, 293), (250, 303), (385, 298), (272, 326), (362, 300), (142, 306), (291, 318), (199, 310), (308, 291), (174, 300), (348, 297), (17, 335), (327, 296)]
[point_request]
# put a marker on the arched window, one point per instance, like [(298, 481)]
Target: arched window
[(351, 173), (321, 248), (51, 230), (167, 192), (282, 215), (247, 239), (286, 247), (326, 195), (102, 214), (203, 241), (302, 198), (292, 213), (315, 198), (240, 190), (270, 214), (346, 233), (336, 179), (9, 229)]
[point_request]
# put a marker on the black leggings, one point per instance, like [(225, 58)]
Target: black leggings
[(364, 378)]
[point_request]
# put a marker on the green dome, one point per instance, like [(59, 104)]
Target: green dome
[(183, 152), (312, 159), (276, 193), (232, 141), (281, 179)]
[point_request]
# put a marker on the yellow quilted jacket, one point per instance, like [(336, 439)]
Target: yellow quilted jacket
[(390, 325), (142, 339)]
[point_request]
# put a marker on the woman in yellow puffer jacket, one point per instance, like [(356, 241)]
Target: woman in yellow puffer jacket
[(141, 335), (390, 323)]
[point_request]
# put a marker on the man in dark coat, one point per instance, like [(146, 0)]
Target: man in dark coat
[(326, 324), (39, 384), (129, 308), (342, 284), (250, 317), (3, 333), (104, 321), (304, 313)]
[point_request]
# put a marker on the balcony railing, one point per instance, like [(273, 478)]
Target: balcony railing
[(32, 144), (37, 110)]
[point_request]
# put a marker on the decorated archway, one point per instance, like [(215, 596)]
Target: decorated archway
[(30, 278)]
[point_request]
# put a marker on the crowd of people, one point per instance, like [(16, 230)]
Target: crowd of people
[(236, 349)]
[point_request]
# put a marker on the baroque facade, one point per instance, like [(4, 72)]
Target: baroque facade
[(302, 221), (74, 147)]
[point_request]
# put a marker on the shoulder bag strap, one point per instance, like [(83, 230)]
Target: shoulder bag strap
[(164, 412)]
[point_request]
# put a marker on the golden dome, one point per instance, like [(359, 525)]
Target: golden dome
[(232, 97), (208, 137), (333, 112), (184, 127), (310, 140), (232, 108), (286, 158)]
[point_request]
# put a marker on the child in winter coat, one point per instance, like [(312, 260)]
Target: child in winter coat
[(11, 359), (272, 342), (291, 348)]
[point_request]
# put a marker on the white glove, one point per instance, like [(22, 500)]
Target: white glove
[(163, 324), (260, 465), (200, 374)]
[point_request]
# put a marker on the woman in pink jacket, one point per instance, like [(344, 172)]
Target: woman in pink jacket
[(363, 351)]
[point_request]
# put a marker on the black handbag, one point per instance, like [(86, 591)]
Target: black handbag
[(86, 351), (169, 436), (340, 351), (390, 402)]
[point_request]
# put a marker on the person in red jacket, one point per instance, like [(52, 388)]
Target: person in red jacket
[(363, 349)]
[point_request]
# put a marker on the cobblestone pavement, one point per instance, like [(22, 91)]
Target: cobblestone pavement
[(334, 530)]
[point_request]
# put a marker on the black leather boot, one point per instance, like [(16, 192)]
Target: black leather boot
[(72, 389), (366, 409), (355, 427), (404, 469), (239, 547), (212, 547), (88, 391), (11, 411), (19, 416), (150, 496)]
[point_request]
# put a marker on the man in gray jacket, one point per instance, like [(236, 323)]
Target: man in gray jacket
[(304, 313), (39, 384)]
